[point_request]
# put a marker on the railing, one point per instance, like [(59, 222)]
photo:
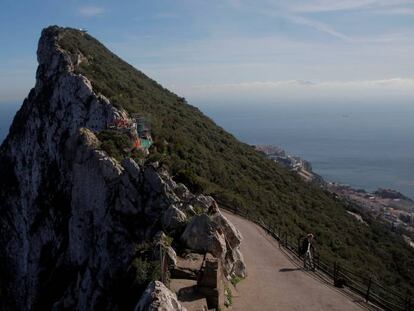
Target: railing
[(366, 287)]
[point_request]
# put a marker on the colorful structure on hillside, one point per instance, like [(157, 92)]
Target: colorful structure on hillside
[(137, 128)]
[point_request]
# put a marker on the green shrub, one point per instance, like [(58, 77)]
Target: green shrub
[(146, 271), (228, 297), (235, 280), (116, 144)]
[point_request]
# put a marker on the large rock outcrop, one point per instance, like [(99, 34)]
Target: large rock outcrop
[(73, 218), (215, 234), (157, 297)]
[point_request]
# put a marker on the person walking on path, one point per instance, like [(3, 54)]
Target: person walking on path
[(308, 250)]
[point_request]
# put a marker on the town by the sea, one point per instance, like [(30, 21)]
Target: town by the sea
[(365, 146)]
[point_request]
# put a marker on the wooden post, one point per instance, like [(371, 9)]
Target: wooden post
[(334, 274), (299, 247), (368, 289), (162, 264), (285, 239)]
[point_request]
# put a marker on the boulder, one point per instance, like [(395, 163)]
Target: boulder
[(157, 297), (188, 209), (233, 263), (183, 193), (202, 203), (203, 235), (132, 168), (233, 236), (173, 219), (153, 179)]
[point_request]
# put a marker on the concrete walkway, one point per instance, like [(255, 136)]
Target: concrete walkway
[(275, 282)]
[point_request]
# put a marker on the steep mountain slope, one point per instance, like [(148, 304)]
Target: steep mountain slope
[(208, 159), (193, 149), (79, 229)]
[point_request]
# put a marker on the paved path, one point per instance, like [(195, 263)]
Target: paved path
[(275, 283)]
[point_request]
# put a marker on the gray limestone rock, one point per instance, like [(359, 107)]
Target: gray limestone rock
[(173, 219), (157, 297), (202, 234), (68, 201)]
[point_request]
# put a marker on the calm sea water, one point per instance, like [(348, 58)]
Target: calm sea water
[(365, 146)]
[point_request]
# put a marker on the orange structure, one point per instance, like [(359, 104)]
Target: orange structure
[(136, 129), (120, 123), (136, 143)]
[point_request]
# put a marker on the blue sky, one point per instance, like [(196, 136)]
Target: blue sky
[(233, 50)]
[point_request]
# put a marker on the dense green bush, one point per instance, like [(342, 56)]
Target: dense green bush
[(146, 271), (210, 160), (116, 144)]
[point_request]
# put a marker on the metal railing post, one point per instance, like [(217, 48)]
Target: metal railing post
[(279, 238), (403, 303), (286, 242), (368, 289)]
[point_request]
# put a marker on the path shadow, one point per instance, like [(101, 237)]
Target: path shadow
[(189, 293), (290, 269)]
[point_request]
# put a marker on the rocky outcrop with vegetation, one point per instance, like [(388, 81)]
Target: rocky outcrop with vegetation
[(81, 229), (157, 297)]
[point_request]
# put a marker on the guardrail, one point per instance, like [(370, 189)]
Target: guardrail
[(366, 287)]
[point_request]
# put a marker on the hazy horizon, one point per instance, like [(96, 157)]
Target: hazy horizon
[(234, 50)]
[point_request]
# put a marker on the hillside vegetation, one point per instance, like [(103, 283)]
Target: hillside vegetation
[(206, 158)]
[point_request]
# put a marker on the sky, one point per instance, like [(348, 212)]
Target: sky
[(232, 51)]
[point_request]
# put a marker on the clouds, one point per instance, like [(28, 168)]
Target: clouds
[(396, 11), (389, 84), (318, 6), (250, 47), (91, 11), (330, 17), (322, 27), (300, 91)]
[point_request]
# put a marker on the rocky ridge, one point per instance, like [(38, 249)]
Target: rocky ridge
[(73, 218)]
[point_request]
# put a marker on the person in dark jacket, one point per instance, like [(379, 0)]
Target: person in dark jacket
[(308, 252)]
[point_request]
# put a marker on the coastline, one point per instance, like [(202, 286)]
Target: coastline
[(389, 205)]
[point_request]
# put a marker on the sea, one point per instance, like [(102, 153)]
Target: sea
[(366, 146)]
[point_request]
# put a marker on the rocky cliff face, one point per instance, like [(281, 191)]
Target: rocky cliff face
[(72, 217)]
